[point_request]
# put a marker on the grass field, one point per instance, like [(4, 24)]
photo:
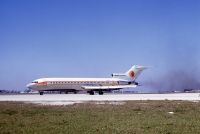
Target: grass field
[(133, 117)]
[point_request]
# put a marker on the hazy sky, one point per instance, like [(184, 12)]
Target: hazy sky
[(94, 38)]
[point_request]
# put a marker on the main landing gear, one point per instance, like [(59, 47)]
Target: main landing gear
[(41, 93), (100, 92), (92, 92)]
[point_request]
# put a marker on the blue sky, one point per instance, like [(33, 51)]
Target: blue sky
[(94, 38)]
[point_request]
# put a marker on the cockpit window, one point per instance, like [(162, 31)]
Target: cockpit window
[(35, 82)]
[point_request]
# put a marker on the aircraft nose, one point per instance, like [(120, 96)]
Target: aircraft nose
[(30, 85)]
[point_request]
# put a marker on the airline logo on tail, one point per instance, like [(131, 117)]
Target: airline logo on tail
[(131, 74)]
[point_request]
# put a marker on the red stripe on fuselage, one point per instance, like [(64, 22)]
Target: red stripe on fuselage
[(42, 83)]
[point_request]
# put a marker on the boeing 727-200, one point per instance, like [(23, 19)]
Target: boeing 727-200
[(116, 82)]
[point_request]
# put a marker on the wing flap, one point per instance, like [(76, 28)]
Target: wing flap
[(108, 87)]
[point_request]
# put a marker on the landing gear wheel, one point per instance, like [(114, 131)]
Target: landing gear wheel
[(75, 92), (66, 92), (100, 92), (41, 93), (91, 92)]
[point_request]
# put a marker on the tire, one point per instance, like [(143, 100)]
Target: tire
[(100, 92), (91, 92), (41, 93)]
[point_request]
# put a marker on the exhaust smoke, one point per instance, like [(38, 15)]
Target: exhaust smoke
[(181, 70), (175, 80)]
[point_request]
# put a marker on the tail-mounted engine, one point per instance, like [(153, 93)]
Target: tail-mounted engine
[(118, 75)]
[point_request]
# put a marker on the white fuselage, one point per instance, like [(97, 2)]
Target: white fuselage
[(47, 84)]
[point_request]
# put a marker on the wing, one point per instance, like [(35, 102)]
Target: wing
[(92, 87)]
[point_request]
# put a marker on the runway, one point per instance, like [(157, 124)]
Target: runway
[(67, 99)]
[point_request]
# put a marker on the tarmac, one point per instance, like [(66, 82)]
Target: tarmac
[(118, 99)]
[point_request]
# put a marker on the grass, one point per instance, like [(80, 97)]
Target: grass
[(134, 117)]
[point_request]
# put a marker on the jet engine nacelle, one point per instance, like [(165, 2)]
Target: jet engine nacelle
[(118, 75)]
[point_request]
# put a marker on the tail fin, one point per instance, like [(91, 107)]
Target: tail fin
[(131, 74), (134, 72)]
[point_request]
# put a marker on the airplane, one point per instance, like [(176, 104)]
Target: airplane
[(91, 85)]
